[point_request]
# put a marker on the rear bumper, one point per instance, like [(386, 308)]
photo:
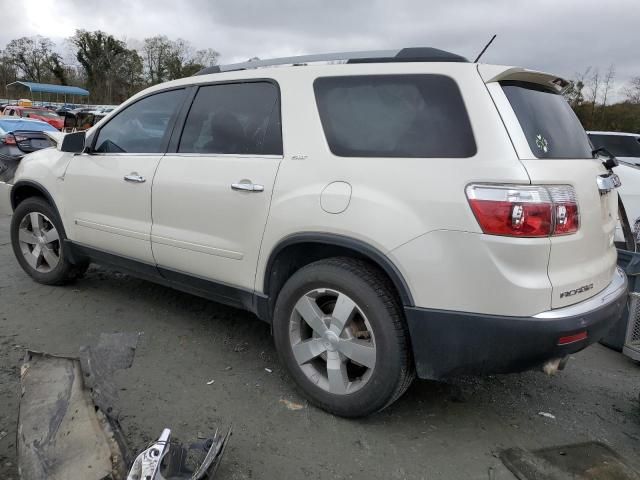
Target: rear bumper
[(447, 343)]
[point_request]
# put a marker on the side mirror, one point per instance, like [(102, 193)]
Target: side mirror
[(73, 142)]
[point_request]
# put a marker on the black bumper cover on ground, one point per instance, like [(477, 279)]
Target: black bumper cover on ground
[(446, 343)]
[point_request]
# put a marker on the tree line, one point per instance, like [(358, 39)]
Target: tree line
[(590, 93), (111, 69)]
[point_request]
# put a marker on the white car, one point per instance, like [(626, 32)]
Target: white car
[(400, 212), (626, 148)]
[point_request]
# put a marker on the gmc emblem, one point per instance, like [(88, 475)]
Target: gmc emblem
[(575, 291)]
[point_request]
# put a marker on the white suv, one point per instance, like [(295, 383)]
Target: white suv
[(400, 212)]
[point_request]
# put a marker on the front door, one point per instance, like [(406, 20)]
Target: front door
[(108, 190), (211, 196)]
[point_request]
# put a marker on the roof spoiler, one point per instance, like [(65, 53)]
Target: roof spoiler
[(496, 73)]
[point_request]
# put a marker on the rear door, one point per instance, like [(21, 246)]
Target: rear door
[(555, 150), (211, 196)]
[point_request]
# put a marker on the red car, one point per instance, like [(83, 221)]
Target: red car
[(36, 113)]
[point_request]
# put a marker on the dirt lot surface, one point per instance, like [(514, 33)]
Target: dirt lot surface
[(448, 431)]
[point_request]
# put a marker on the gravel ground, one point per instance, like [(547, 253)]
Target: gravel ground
[(448, 431)]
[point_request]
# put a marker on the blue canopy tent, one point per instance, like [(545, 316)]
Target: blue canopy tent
[(64, 91)]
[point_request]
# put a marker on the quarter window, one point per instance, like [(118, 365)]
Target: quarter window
[(394, 116), (141, 127), (235, 119)]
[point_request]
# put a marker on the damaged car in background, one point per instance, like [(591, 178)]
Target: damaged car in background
[(19, 136)]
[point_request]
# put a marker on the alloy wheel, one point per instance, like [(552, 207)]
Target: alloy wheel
[(39, 242), (332, 341)]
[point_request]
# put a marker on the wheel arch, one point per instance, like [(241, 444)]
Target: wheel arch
[(24, 189), (298, 250)]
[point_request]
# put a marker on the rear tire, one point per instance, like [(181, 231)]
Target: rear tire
[(340, 332), (37, 238)]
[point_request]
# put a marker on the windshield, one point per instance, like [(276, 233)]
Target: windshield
[(41, 113), (551, 127), (618, 145)]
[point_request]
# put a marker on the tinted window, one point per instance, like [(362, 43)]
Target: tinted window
[(394, 116), (618, 145), (235, 118), (548, 122), (141, 127)]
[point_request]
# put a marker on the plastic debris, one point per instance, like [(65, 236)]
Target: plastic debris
[(211, 382), (291, 405), (268, 370), (547, 415)]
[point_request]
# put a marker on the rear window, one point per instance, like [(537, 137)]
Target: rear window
[(618, 145), (394, 116), (548, 122)]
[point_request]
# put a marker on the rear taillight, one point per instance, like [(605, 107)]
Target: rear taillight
[(525, 211), (9, 140)]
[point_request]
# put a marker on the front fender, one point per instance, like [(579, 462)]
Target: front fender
[(43, 170)]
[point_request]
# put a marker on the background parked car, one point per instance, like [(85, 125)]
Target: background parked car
[(81, 119), (626, 148), (19, 136), (36, 113)]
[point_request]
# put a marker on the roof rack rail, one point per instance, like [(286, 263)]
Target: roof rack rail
[(418, 54)]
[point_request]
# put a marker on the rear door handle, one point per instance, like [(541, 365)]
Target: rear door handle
[(135, 178), (247, 187)]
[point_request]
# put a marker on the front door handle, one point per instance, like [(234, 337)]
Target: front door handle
[(135, 178), (247, 187)]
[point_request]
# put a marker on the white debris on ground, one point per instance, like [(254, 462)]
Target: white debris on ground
[(547, 415), (291, 405)]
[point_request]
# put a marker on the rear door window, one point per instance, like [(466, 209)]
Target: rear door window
[(234, 119), (618, 145), (548, 122), (394, 116)]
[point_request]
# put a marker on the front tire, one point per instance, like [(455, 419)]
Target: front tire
[(37, 238), (339, 330)]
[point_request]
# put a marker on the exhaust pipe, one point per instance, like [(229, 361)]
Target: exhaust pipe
[(553, 366)]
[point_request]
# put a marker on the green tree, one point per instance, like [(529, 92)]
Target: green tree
[(632, 91), (32, 57), (58, 69), (8, 73), (157, 54), (110, 67), (167, 59)]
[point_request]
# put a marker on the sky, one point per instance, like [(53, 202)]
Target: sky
[(564, 37)]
